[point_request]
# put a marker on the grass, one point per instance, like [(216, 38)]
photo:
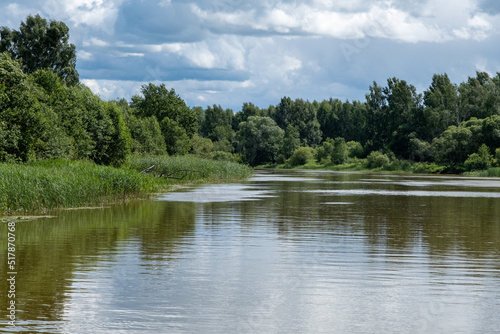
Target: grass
[(490, 172), (190, 169), (48, 185), (354, 164)]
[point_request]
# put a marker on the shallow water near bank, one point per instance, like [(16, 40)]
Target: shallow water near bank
[(283, 252)]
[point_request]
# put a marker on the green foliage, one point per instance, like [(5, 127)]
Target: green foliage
[(260, 140), (302, 156), (325, 151), (497, 156), (377, 159), (420, 150), (223, 145), (291, 141), (222, 156), (218, 124), (340, 152), (480, 160), (147, 136), (303, 116), (42, 45), (42, 118), (248, 109), (178, 123), (176, 138), (355, 149), (21, 117), (452, 147), (202, 147), (441, 106)]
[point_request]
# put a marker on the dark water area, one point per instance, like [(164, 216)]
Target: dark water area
[(282, 252)]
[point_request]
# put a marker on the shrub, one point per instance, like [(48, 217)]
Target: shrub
[(301, 156), (340, 152), (377, 159), (480, 160), (355, 149)]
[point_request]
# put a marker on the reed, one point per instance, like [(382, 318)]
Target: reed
[(44, 186), (189, 168), (41, 187)]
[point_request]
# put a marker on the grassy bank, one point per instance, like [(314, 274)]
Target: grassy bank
[(189, 169), (403, 166), (44, 186)]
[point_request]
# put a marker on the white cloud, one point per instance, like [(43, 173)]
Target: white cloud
[(478, 28), (95, 42), (82, 54), (432, 21), (99, 14), (224, 52)]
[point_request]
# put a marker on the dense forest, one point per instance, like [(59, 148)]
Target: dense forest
[(46, 113)]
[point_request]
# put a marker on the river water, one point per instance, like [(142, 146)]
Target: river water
[(282, 252)]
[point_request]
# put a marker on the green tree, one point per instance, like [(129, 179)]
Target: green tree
[(405, 114), (178, 123), (248, 109), (218, 124), (479, 97), (42, 45), (452, 147), (260, 140), (160, 102), (291, 141), (146, 134), (283, 114), (176, 138), (21, 115), (378, 131), (441, 106)]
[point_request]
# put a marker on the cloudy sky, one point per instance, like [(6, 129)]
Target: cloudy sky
[(232, 51)]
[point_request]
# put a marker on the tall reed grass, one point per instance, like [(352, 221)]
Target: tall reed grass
[(40, 187), (190, 168), (43, 186)]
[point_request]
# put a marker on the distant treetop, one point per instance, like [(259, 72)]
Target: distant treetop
[(42, 44)]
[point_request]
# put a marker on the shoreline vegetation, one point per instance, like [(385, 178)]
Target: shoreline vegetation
[(406, 167), (44, 187)]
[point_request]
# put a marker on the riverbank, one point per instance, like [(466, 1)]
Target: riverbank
[(45, 186), (394, 166)]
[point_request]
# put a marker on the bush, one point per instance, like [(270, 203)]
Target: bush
[(355, 149), (377, 159), (480, 160), (340, 152), (301, 156)]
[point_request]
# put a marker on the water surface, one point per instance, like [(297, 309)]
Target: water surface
[(283, 252)]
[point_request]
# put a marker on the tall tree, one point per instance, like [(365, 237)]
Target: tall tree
[(42, 45), (405, 114), (260, 139), (378, 132), (177, 121), (441, 106)]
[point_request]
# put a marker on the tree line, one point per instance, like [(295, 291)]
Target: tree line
[(46, 113)]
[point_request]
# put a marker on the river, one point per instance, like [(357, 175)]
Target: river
[(282, 252)]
